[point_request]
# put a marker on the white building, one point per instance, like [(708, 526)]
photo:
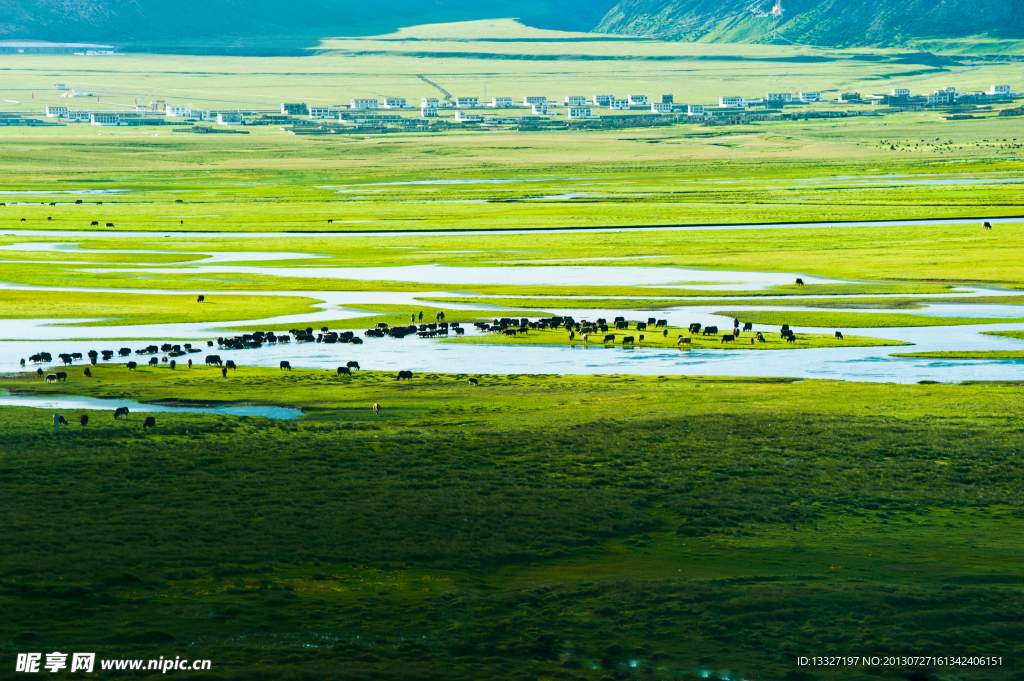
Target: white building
[(808, 97), (428, 112), (540, 109), (618, 104), (660, 108), (575, 101), (501, 102), (530, 101), (695, 110), (731, 102), (581, 112), (602, 100), (319, 112), (430, 102), (784, 97), (105, 118), (638, 100), (946, 95), (467, 102), (363, 104), (229, 118), (79, 117), (395, 103), (60, 86), (463, 117), (900, 92), (200, 115), (174, 111), (999, 90), (56, 111)]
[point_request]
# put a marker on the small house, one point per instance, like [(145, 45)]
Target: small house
[(501, 102), (364, 104)]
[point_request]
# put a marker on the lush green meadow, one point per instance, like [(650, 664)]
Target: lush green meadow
[(133, 308), (964, 354), (529, 527), (859, 320)]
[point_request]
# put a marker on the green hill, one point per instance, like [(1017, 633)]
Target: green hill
[(817, 22)]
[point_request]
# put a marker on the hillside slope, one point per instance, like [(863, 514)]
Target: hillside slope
[(817, 22), (265, 22)]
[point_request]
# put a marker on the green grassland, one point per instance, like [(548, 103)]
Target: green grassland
[(858, 320), (655, 339), (135, 308), (965, 354), (1009, 334), (553, 527), (398, 315)]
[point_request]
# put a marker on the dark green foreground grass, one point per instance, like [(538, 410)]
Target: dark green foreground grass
[(529, 528)]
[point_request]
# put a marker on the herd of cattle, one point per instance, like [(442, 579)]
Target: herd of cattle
[(507, 326)]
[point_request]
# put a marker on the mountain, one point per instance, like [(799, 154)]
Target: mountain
[(816, 22), (272, 24)]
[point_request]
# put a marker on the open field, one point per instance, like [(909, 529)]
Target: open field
[(133, 308), (725, 525), (1008, 334)]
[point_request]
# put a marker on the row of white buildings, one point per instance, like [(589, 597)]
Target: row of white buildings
[(946, 95)]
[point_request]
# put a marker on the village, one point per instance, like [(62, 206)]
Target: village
[(531, 112)]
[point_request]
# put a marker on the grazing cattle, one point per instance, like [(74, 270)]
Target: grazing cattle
[(61, 420), (665, 333), (838, 334), (121, 411), (512, 332), (627, 339), (407, 375), (78, 202), (572, 334), (661, 323), (153, 361), (987, 225), (76, 355), (224, 372), (376, 409), (131, 366), (683, 340), (200, 299), (149, 423), (23, 362), (459, 331), (728, 338), (748, 326), (622, 325), (759, 337), (710, 331), (344, 370), (190, 364), (652, 320), (791, 338), (51, 378), (784, 329), (641, 326), (124, 352), (39, 372), (641, 337), (110, 224), (87, 372), (213, 359), (473, 381), (799, 281), (694, 328), (610, 338), (230, 364), (65, 358), (107, 354), (84, 420), (62, 376), (352, 365), (94, 223), (286, 365)]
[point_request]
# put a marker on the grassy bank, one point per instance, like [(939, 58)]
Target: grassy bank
[(859, 320), (542, 527), (135, 308), (965, 354), (656, 339), (1009, 334)]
